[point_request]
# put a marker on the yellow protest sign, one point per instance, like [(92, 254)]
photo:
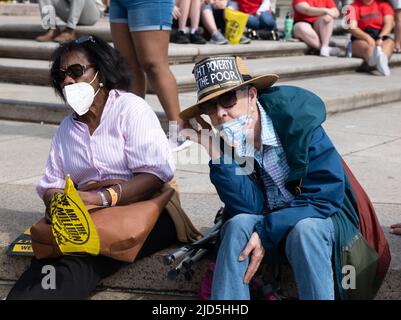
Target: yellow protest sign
[(72, 225), (235, 25)]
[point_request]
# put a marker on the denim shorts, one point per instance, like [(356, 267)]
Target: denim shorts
[(143, 15)]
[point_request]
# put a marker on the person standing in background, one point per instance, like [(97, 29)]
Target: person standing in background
[(397, 28), (141, 33)]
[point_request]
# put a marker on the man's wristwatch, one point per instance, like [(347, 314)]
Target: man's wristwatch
[(105, 203), (379, 37)]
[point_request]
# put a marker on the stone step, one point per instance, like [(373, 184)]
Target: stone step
[(340, 92), (29, 27), (36, 72), (178, 53)]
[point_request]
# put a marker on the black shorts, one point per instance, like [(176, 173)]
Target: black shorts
[(374, 33), (311, 23)]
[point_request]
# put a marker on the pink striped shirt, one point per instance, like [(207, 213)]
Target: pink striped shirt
[(128, 140)]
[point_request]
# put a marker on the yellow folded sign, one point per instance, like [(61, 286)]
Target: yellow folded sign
[(72, 225), (235, 25)]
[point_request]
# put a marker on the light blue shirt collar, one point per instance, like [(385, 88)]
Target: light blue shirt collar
[(268, 135)]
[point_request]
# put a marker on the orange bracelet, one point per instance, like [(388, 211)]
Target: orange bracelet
[(113, 195)]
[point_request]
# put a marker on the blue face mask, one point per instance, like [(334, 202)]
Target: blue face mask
[(235, 134)]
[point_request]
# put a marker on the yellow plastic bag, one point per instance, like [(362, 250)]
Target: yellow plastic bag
[(72, 225), (235, 25)]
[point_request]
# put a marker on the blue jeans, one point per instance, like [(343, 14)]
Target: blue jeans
[(264, 21), (308, 249)]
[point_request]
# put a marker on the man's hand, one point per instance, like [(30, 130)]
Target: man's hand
[(204, 137), (396, 229), (255, 248)]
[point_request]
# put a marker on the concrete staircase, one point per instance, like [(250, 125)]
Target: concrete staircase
[(25, 95)]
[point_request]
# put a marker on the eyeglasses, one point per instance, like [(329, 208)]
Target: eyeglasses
[(226, 100), (74, 71)]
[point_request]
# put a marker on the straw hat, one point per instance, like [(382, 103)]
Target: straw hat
[(215, 76)]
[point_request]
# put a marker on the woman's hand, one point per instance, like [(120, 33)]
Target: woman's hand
[(90, 198), (371, 41), (254, 248)]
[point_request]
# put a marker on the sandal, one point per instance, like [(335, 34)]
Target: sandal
[(397, 50)]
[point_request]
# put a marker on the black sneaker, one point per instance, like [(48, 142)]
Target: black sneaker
[(196, 38), (181, 37)]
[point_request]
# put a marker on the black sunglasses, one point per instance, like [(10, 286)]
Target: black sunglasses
[(74, 71), (226, 100)]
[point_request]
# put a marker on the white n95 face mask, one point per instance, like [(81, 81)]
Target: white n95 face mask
[(80, 95)]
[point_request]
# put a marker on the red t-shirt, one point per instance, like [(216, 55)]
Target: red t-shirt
[(249, 6), (298, 16), (371, 15)]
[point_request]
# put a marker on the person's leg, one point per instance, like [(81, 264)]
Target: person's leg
[(208, 20), (253, 22), (48, 14), (388, 48), (75, 278), (152, 53), (90, 14), (229, 272), (309, 248), (324, 27), (305, 32), (361, 49), (267, 21), (162, 236), (397, 30), (184, 8), (195, 37), (123, 43), (195, 14)]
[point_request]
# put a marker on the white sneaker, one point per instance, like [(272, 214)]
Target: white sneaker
[(381, 62), (329, 51)]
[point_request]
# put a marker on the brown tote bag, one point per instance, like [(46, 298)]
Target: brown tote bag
[(122, 230)]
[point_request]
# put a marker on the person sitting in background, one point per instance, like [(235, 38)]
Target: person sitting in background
[(183, 9), (371, 23), (314, 23), (73, 13), (397, 28), (260, 12), (214, 22)]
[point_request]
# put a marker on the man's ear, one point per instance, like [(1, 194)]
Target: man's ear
[(253, 94)]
